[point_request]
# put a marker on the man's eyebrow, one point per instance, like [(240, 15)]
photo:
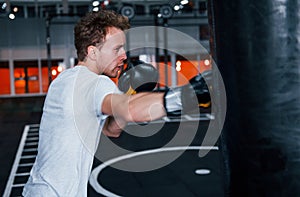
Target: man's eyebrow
[(119, 46)]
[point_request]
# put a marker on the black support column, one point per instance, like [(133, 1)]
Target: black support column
[(257, 49)]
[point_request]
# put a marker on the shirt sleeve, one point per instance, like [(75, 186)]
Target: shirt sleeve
[(104, 87)]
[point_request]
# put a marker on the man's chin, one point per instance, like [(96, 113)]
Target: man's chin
[(111, 75)]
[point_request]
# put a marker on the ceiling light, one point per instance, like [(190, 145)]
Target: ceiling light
[(184, 2), (106, 2), (176, 7), (95, 3), (54, 72), (206, 62), (11, 16), (166, 11), (4, 6), (15, 9), (202, 171), (96, 9), (128, 11)]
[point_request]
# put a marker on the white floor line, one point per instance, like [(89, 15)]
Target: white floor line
[(25, 164), (31, 143), (33, 134), (33, 139), (23, 174), (19, 185), (28, 156), (188, 117), (96, 171), (183, 118), (13, 171), (30, 149), (34, 126)]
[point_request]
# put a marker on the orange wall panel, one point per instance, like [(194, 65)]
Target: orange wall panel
[(4, 81), (162, 68), (45, 80), (188, 69), (33, 84), (20, 83)]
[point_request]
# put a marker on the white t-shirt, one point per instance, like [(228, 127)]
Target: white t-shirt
[(69, 133)]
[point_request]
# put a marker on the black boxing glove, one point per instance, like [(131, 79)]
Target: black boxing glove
[(124, 80), (138, 77), (181, 100)]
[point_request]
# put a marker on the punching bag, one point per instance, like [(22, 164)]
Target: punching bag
[(256, 45)]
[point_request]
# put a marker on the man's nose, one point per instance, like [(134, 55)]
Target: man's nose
[(123, 55)]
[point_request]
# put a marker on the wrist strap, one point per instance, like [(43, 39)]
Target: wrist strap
[(172, 101)]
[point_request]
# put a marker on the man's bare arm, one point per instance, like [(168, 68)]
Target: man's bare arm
[(112, 128), (141, 107)]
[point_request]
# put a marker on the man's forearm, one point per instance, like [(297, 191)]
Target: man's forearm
[(113, 127)]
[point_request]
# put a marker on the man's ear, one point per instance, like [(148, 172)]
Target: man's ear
[(91, 52)]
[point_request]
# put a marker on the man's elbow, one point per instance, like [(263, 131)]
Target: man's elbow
[(109, 133)]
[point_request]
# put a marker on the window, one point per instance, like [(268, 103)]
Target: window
[(45, 74), (26, 76)]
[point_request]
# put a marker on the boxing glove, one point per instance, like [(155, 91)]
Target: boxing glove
[(183, 99), (138, 77)]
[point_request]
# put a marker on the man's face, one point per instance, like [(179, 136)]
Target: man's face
[(112, 53)]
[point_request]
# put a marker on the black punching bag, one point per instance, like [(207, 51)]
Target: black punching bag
[(256, 45)]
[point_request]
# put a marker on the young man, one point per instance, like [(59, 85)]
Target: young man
[(82, 102)]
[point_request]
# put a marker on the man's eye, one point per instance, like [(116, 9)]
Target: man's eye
[(118, 49)]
